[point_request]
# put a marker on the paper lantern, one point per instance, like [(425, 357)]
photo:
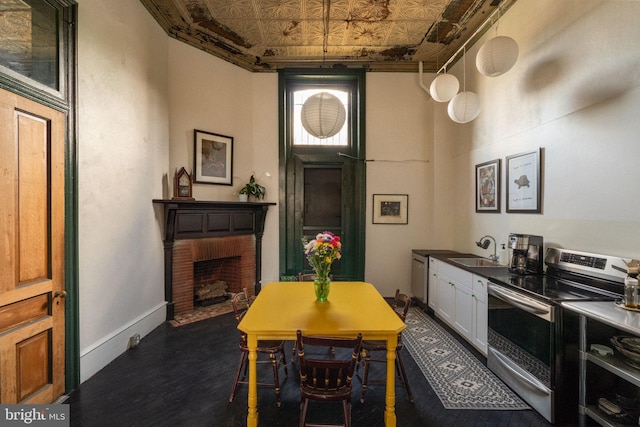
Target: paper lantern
[(464, 107), (323, 115), (497, 56), (444, 87)]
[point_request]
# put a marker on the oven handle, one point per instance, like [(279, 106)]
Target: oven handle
[(508, 364), (514, 299)]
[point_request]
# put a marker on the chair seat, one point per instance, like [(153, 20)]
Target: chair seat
[(265, 346), (379, 345), (325, 395)]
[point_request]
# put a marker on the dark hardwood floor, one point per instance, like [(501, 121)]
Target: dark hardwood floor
[(182, 377)]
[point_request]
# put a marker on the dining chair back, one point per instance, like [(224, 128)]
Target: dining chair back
[(400, 304), (327, 379), (241, 302)]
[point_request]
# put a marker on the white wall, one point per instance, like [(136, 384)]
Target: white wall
[(123, 155), (573, 92), (207, 93), (399, 141)]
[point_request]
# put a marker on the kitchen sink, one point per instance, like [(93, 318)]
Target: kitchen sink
[(475, 262)]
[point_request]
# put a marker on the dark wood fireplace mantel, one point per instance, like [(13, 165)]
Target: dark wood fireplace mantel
[(196, 219)]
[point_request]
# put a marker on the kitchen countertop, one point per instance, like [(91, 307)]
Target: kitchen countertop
[(607, 312), (444, 255)]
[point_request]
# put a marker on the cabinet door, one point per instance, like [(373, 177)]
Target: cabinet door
[(432, 289), (446, 299), (480, 325), (479, 331), (463, 310)]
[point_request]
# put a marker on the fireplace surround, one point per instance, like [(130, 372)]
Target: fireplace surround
[(196, 231)]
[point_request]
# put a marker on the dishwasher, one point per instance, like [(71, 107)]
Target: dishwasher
[(419, 276)]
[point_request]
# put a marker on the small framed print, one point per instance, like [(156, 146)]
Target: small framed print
[(213, 158), (390, 208), (523, 183), (488, 187)]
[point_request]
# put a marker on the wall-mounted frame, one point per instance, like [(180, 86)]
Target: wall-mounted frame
[(213, 158), (524, 182), (488, 187), (390, 208)]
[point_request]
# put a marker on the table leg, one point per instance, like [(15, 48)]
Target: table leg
[(390, 398), (252, 417)]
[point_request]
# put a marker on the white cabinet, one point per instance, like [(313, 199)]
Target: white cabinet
[(461, 302), (446, 299), (463, 318), (479, 313)]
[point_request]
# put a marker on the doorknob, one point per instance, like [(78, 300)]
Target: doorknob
[(60, 294)]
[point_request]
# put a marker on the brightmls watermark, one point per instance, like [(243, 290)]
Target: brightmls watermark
[(54, 414)]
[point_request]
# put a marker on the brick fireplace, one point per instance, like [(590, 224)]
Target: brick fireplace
[(231, 259), (216, 240)]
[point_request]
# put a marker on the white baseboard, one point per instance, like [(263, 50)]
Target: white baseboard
[(101, 353)]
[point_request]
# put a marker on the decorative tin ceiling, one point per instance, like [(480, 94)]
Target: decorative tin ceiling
[(378, 35)]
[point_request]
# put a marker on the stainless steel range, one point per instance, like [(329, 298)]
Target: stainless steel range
[(533, 343)]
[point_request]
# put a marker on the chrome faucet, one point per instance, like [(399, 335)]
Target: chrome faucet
[(484, 244)]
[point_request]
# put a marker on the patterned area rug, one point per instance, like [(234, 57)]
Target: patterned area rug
[(459, 379)]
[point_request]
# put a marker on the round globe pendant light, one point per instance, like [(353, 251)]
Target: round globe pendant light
[(323, 115), (444, 87), (497, 56), (464, 107)]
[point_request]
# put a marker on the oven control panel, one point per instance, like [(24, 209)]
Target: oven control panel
[(603, 266), (584, 260)]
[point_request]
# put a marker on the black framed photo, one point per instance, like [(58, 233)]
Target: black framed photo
[(488, 187), (524, 182), (213, 158), (390, 208)]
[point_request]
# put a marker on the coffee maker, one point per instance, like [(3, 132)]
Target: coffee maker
[(525, 254)]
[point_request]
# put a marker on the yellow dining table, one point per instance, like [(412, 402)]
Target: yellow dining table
[(282, 308)]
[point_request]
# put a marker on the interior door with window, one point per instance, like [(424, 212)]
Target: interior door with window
[(323, 177), (32, 288)]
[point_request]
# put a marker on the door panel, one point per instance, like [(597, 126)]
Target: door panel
[(31, 251), (321, 190), (322, 197)]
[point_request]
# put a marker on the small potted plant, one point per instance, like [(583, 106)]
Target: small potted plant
[(252, 188)]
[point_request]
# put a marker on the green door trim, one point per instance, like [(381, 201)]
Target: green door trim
[(356, 153), (66, 102)]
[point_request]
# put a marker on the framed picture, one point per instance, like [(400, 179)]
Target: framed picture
[(390, 208), (523, 182), (488, 187), (213, 158)]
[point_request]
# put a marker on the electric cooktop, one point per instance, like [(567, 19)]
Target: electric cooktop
[(571, 276)]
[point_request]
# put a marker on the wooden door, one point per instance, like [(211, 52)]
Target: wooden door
[(32, 287)]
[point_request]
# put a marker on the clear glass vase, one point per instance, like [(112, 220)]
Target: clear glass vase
[(322, 284)]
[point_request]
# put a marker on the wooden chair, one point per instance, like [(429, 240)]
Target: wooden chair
[(274, 349), (310, 277), (327, 380), (400, 305)]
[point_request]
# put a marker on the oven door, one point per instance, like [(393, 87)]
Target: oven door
[(521, 345)]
